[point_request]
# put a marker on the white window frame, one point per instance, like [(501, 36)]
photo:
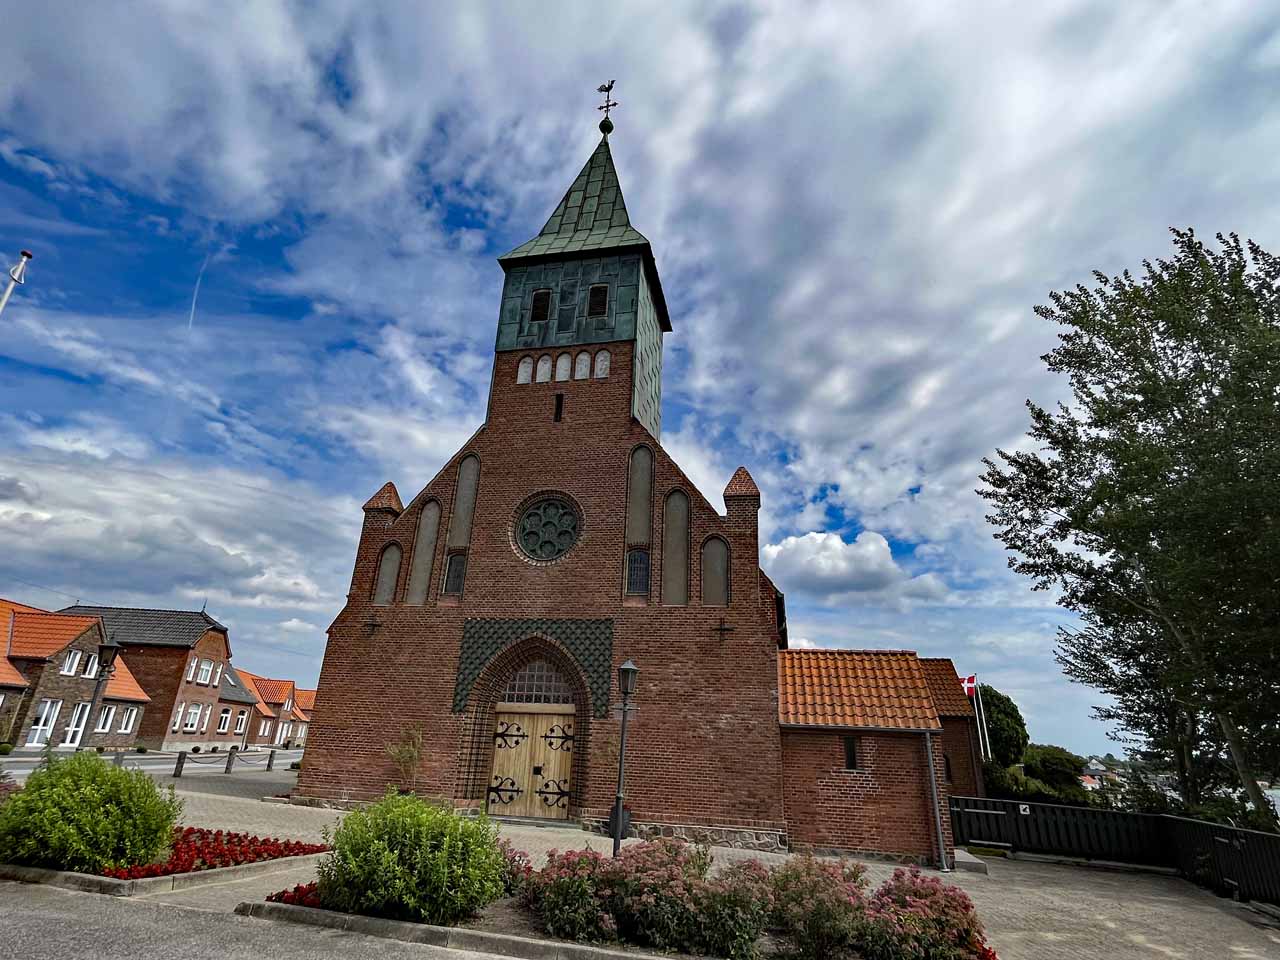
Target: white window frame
[(206, 671), (264, 728), (217, 675), (224, 720), (242, 721), (106, 717), (177, 715), (1, 699), (191, 669), (79, 720), (204, 724), (288, 704), (70, 663), (46, 720), (192, 721), (282, 732), (128, 719), (91, 667)]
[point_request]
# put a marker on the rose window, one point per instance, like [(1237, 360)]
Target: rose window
[(547, 529)]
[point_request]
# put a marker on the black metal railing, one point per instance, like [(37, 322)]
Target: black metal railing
[(1231, 861)]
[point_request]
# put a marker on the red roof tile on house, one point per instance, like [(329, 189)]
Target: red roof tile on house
[(41, 635), (880, 689), (9, 675), (124, 686), (949, 697), (306, 699)]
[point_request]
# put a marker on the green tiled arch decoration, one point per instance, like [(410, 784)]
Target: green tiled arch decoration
[(589, 642)]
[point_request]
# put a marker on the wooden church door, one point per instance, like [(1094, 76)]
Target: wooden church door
[(533, 746)]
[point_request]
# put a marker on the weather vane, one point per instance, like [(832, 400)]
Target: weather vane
[(606, 125)]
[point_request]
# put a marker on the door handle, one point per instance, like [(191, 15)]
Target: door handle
[(537, 771)]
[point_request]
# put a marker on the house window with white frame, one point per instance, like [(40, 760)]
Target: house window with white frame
[(193, 717), (217, 675), (264, 728), (46, 717), (204, 725), (70, 663), (191, 669), (206, 671), (91, 667), (129, 719), (224, 720), (242, 719), (177, 716), (106, 717), (75, 729)]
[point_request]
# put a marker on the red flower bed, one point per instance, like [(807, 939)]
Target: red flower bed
[(195, 848), (303, 895)]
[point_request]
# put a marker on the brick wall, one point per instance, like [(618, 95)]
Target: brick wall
[(15, 701), (960, 745), (704, 746), (882, 808), (162, 672)]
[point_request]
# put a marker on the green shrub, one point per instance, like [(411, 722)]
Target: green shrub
[(566, 895), (733, 909), (406, 859), (6, 749), (81, 813), (820, 906), (516, 868), (914, 917), (140, 749), (651, 888)]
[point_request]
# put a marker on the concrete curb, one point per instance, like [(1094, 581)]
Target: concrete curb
[(966, 861), (456, 938), (88, 883)]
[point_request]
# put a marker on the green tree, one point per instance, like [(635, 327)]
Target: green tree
[(1149, 502), (1056, 766), (1005, 727)]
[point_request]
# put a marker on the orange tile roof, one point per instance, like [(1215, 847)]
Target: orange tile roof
[(41, 635), (9, 675), (306, 699), (123, 685), (949, 698), (882, 689), (13, 606)]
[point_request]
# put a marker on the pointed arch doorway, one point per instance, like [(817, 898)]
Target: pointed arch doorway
[(533, 745)]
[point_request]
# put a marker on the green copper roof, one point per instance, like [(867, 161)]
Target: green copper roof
[(591, 217)]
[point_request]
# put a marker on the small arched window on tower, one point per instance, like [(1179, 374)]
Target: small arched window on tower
[(541, 307), (582, 366), (602, 364), (544, 368), (598, 300), (638, 571), (715, 573), (563, 363), (384, 590), (524, 373)]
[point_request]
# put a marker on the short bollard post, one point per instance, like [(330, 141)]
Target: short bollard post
[(271, 759), (231, 759), (182, 759), (118, 759)]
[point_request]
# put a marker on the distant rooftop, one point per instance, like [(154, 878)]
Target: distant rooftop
[(160, 628)]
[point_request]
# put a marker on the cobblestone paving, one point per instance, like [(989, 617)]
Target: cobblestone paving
[(1032, 911)]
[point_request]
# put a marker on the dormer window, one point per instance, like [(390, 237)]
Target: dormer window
[(541, 306), (598, 300)]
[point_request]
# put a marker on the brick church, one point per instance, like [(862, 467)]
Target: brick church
[(491, 613)]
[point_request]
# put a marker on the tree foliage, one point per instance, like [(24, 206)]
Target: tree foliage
[(1149, 502), (1056, 766), (1005, 726)]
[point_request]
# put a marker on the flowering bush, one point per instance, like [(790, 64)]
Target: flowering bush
[(566, 896), (81, 813), (517, 867), (732, 909), (914, 917), (820, 905), (303, 895), (195, 848), (650, 889), (406, 859)]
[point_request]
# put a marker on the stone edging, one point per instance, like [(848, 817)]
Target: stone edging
[(457, 938), (89, 883)]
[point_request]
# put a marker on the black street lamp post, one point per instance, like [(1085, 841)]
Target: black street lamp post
[(627, 674), (107, 653)]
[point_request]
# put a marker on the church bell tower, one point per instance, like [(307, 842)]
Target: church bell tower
[(587, 279)]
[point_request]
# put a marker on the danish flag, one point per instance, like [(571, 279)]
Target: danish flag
[(970, 684)]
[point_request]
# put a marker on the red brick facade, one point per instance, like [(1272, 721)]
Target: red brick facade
[(960, 746), (163, 672)]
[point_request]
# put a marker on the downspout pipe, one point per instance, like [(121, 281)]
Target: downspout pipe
[(943, 865)]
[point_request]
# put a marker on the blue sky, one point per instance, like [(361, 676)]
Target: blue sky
[(853, 215)]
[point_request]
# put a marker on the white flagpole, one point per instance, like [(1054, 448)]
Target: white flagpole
[(17, 275), (984, 737)]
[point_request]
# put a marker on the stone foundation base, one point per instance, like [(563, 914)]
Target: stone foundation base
[(904, 859), (739, 838)]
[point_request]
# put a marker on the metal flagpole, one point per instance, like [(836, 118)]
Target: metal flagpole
[(17, 275), (984, 737)]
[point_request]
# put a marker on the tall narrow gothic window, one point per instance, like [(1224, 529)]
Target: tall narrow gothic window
[(563, 363), (675, 549), (715, 573), (455, 573), (638, 571), (424, 552), (544, 368), (524, 373), (541, 306), (602, 364), (582, 366), (384, 590), (459, 538), (598, 300)]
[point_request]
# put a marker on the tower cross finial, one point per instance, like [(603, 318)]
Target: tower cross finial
[(606, 125)]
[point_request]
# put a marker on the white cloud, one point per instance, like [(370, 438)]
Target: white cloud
[(826, 566)]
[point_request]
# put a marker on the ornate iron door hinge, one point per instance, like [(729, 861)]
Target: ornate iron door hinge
[(561, 740), (554, 793), (504, 790), (509, 735)]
